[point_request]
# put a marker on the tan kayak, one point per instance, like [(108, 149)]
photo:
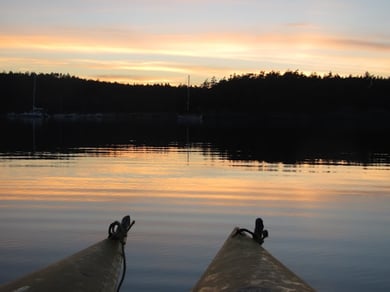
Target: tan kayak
[(242, 264), (100, 267)]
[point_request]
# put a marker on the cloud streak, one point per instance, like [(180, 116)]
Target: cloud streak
[(124, 53)]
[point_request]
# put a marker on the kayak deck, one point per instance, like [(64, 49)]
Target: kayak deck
[(78, 272), (96, 268), (242, 264)]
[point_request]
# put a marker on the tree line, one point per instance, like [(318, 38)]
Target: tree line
[(288, 92)]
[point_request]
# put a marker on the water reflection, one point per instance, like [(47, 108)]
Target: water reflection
[(66, 139), (324, 197)]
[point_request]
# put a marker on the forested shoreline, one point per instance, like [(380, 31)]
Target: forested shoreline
[(291, 92)]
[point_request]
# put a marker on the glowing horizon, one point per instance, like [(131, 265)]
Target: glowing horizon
[(143, 49)]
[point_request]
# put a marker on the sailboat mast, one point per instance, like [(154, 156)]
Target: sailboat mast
[(188, 94), (34, 92)]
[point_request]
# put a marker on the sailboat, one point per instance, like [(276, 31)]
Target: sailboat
[(36, 112), (189, 118)]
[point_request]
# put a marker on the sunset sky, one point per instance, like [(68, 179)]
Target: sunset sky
[(159, 41)]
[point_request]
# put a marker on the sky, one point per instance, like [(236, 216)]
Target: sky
[(156, 41)]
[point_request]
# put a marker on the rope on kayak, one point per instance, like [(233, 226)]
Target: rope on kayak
[(118, 231), (259, 234)]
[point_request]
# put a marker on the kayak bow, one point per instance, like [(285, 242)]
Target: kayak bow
[(242, 264), (96, 268)]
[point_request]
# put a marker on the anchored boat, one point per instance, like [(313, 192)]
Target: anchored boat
[(189, 118), (242, 264), (100, 267)]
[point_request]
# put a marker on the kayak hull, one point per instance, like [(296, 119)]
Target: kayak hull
[(242, 264)]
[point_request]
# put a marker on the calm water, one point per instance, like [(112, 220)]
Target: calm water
[(324, 197)]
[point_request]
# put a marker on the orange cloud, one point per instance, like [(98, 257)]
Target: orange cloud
[(135, 56)]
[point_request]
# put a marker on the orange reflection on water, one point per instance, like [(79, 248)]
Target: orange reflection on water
[(136, 175)]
